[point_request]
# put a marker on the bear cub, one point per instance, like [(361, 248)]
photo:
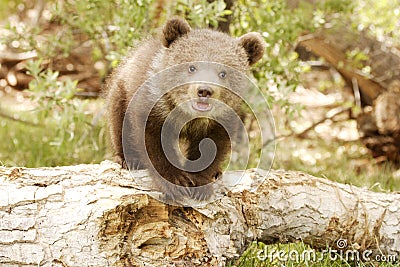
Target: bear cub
[(170, 103)]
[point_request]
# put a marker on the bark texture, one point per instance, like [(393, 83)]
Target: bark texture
[(95, 215)]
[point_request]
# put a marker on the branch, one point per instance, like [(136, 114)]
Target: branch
[(7, 56), (16, 119), (95, 215), (328, 116)]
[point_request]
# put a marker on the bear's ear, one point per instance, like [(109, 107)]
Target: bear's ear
[(254, 45), (173, 29)]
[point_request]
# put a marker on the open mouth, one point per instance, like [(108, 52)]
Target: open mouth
[(201, 105)]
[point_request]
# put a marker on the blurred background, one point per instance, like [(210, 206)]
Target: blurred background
[(331, 74)]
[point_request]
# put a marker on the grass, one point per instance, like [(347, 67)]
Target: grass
[(49, 144), (341, 161)]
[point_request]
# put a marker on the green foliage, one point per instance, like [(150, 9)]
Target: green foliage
[(201, 13), (112, 26), (281, 26), (22, 37), (66, 133), (50, 93), (380, 18), (358, 60)]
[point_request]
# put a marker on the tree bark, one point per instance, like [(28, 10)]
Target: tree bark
[(96, 215)]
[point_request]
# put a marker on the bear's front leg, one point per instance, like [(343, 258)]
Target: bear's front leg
[(168, 179), (213, 171)]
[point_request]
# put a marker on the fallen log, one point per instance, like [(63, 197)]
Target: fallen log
[(96, 215), (321, 46)]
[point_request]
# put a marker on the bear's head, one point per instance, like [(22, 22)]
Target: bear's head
[(208, 45), (210, 64)]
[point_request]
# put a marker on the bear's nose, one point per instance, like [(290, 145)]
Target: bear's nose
[(204, 91)]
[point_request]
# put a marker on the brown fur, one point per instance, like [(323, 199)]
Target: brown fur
[(177, 43)]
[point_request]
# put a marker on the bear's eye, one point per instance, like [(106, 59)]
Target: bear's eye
[(222, 74), (192, 68)]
